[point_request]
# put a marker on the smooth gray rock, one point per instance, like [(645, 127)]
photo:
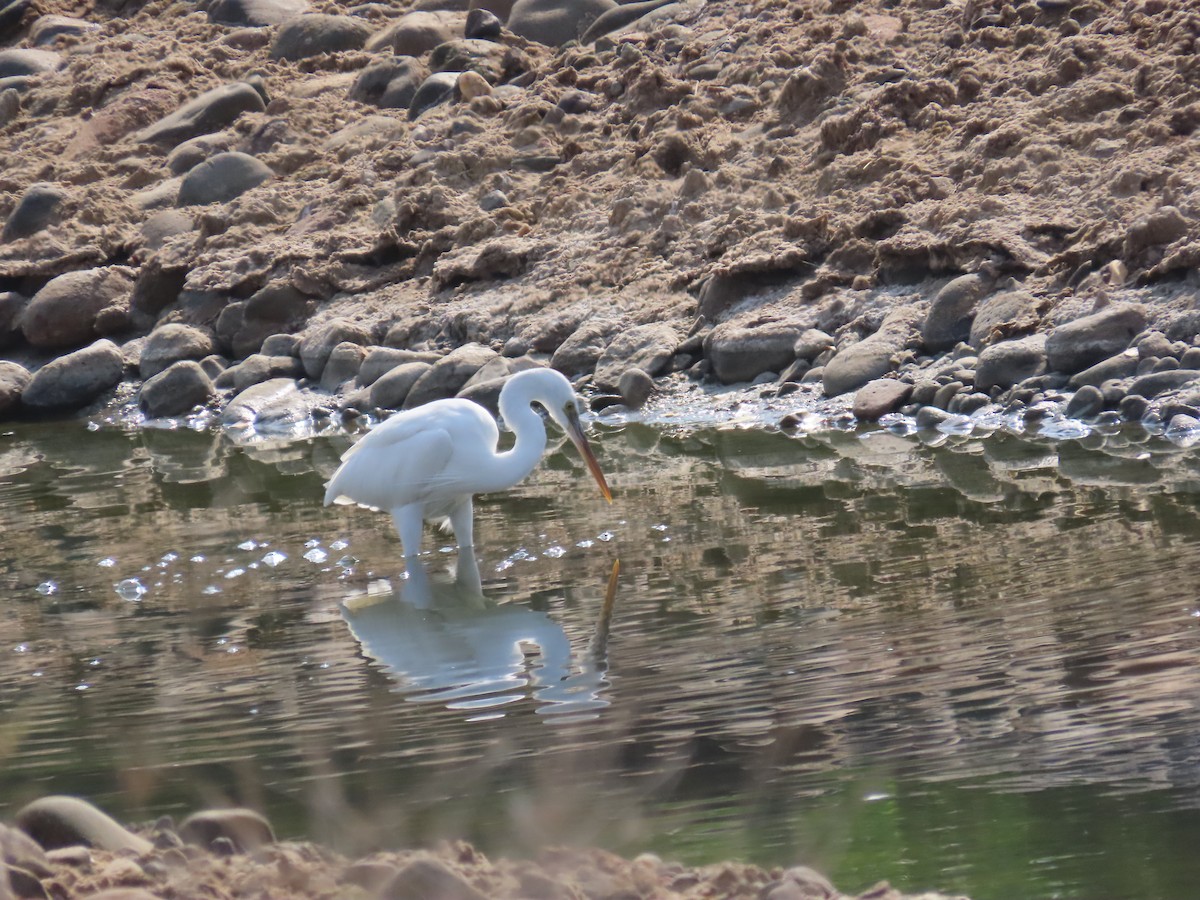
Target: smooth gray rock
[(176, 390), (245, 828), (449, 374), (1084, 342), (486, 393), (11, 14), (874, 356), (381, 360), (647, 347), (482, 24), (275, 308), (318, 343), (342, 366), (811, 344), (222, 178), (390, 84), (580, 352), (37, 209), (1004, 364), (619, 17), (255, 13), (211, 111), (76, 379), (743, 352), (1150, 386), (47, 29), (28, 62), (59, 821), (391, 389), (879, 397), (257, 368), (313, 34), (428, 878), (438, 88), (275, 405), (196, 150), (1086, 402), (171, 343), (164, 225), (12, 305), (555, 22), (465, 55), (1122, 365), (1002, 316), (953, 310), (14, 378), (281, 345), (635, 387), (65, 312), (416, 33)]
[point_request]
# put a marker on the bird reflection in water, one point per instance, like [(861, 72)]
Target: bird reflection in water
[(445, 642)]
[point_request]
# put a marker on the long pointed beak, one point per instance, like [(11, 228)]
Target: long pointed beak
[(579, 439)]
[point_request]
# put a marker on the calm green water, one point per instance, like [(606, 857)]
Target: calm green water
[(972, 667)]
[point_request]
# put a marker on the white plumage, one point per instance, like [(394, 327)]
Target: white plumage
[(426, 464)]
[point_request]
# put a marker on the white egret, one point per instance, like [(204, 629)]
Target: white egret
[(426, 464)]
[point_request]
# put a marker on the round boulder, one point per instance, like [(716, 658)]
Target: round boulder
[(390, 390), (449, 374), (318, 344), (37, 209), (222, 178), (176, 390), (255, 13), (59, 821), (555, 22), (741, 352), (76, 379), (65, 312), (171, 343), (646, 347), (316, 33), (1088, 340), (1004, 364), (14, 378), (27, 62), (416, 33)]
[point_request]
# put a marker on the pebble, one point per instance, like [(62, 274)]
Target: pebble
[(635, 387), (482, 24), (1087, 402), (472, 85), (879, 397), (438, 88)]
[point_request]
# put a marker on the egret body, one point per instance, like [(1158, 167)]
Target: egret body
[(426, 464)]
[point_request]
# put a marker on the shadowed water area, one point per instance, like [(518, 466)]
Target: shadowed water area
[(971, 667)]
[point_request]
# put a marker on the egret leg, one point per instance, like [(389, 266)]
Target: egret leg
[(410, 524), (462, 522)]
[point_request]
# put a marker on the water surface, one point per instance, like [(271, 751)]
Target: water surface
[(970, 667)]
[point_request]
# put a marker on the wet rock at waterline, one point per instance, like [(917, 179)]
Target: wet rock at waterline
[(874, 356), (171, 343), (879, 397), (342, 366), (257, 368), (37, 209), (275, 405), (14, 378), (76, 379), (222, 178), (176, 390), (1009, 362), (313, 34), (648, 348), (740, 352), (60, 821), (77, 306)]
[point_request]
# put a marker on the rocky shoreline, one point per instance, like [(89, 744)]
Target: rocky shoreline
[(930, 207), (64, 847)]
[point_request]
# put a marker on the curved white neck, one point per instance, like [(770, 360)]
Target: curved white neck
[(515, 407)]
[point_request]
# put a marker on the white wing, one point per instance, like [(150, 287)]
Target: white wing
[(409, 457)]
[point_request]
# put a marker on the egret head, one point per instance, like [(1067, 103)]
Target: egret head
[(565, 408)]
